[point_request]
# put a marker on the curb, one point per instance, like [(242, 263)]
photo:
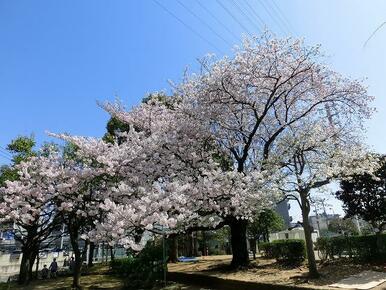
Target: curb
[(226, 284)]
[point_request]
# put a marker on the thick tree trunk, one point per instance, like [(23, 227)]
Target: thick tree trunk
[(173, 249), (239, 243), (77, 271), (27, 261), (24, 272), (33, 256), (91, 255), (79, 255), (312, 268), (77, 263)]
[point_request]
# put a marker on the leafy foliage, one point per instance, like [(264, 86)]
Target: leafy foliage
[(7, 173), (362, 248), (142, 270), (289, 252), (113, 127), (266, 222), (343, 226), (365, 195), (22, 148)]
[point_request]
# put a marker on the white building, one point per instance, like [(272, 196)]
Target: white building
[(295, 233)]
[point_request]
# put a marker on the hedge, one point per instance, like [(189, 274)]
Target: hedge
[(290, 252), (364, 248), (142, 270)]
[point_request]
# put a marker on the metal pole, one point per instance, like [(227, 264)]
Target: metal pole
[(62, 238), (164, 256)]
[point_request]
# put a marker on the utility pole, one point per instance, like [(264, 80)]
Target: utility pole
[(164, 254), (358, 225), (317, 218)]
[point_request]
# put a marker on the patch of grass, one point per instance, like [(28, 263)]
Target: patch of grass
[(178, 286), (92, 281)]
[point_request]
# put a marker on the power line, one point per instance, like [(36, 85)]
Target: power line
[(252, 10), (218, 20), (278, 13), (5, 156), (245, 14), (204, 22), (282, 16), (233, 17), (187, 26), (4, 151), (1, 147), (274, 17)]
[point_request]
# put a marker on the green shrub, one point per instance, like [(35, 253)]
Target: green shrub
[(290, 252), (142, 270), (323, 245), (123, 267), (363, 248)]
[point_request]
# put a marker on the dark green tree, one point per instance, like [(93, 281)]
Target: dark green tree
[(266, 222), (21, 148), (364, 196), (7, 173), (343, 226)]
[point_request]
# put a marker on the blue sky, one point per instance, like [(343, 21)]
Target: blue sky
[(57, 58)]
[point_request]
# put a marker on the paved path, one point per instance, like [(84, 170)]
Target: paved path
[(364, 280), (380, 287)]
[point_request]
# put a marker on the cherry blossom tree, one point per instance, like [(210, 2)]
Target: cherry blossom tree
[(147, 187), (250, 101), (78, 193), (214, 153), (166, 175), (323, 150), (52, 189), (27, 203)]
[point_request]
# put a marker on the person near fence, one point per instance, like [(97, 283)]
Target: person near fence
[(54, 268)]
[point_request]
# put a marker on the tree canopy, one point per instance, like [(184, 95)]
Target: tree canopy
[(364, 195), (265, 222)]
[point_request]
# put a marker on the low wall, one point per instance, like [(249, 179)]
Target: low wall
[(10, 263), (225, 284)]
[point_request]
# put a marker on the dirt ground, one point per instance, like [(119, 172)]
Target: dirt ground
[(98, 278), (268, 271)]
